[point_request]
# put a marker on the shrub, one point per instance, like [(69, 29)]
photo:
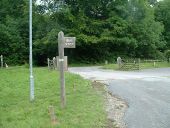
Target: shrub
[(167, 55)]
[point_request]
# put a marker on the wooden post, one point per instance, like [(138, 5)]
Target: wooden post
[(119, 62), (154, 64), (139, 60), (6, 66), (54, 63), (139, 63), (48, 62), (63, 42), (52, 115), (106, 62), (61, 67), (1, 61)]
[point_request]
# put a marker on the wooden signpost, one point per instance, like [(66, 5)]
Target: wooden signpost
[(63, 42)]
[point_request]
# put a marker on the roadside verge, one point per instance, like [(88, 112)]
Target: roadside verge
[(115, 107)]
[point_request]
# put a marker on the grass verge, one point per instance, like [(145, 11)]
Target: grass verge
[(142, 65), (85, 108)]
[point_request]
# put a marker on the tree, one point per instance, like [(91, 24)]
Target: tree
[(144, 28), (162, 13), (13, 35), (167, 55), (104, 29)]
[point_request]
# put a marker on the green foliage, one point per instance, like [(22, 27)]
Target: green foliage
[(162, 13), (13, 31), (167, 55), (104, 29)]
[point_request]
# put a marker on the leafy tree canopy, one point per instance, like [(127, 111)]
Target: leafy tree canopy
[(104, 29)]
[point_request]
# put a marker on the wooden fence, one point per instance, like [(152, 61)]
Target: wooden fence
[(130, 66), (54, 63), (137, 64)]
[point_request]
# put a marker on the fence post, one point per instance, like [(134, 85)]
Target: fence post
[(1, 61), (139, 63), (119, 62), (154, 64), (48, 62), (54, 63), (106, 62)]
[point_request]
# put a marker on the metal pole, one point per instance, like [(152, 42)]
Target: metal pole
[(30, 55), (61, 67)]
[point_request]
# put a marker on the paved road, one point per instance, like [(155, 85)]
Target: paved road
[(147, 93)]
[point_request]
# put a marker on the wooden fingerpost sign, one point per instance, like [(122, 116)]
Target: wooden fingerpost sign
[(63, 42)]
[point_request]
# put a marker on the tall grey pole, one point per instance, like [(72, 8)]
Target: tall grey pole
[(61, 68), (30, 55)]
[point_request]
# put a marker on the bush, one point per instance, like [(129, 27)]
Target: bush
[(167, 55)]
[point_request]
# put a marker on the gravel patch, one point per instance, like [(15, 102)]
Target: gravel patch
[(115, 107)]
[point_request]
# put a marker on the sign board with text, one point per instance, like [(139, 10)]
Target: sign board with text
[(69, 42)]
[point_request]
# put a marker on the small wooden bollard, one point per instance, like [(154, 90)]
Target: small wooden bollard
[(54, 63), (106, 62), (154, 64), (119, 62), (139, 60), (6, 66), (52, 115), (139, 63), (1, 61)]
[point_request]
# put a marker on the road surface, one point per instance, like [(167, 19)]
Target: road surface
[(147, 93)]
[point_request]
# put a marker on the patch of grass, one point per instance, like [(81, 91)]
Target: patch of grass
[(157, 65), (84, 107), (85, 65), (142, 65), (110, 66)]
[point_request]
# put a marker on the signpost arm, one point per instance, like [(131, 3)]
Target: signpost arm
[(61, 67)]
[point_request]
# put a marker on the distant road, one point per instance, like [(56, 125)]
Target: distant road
[(147, 93)]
